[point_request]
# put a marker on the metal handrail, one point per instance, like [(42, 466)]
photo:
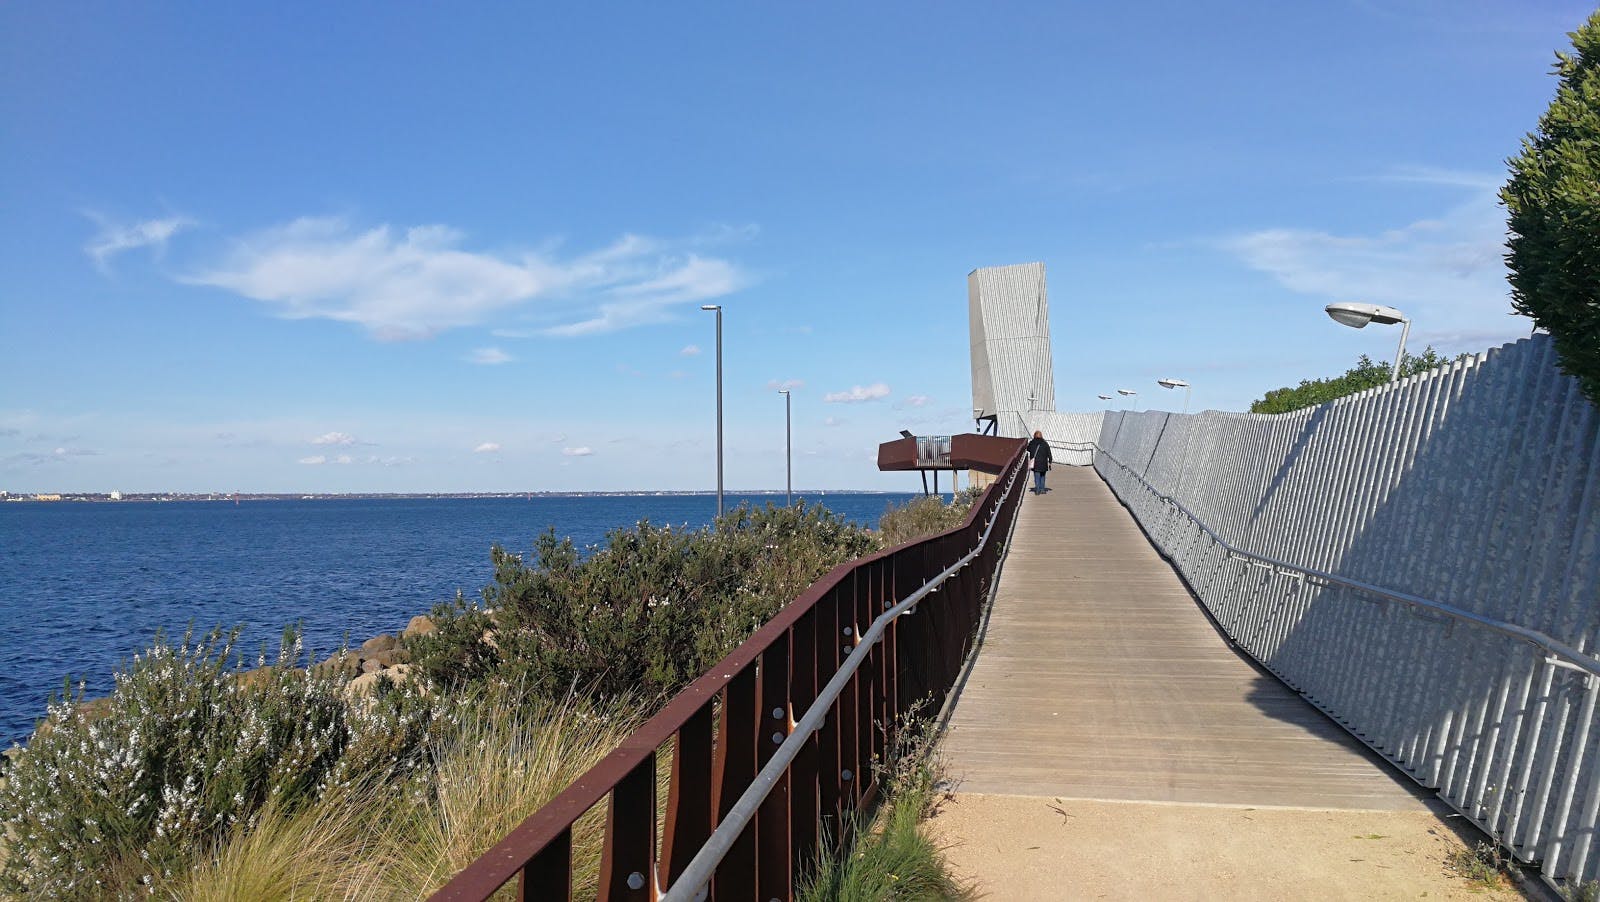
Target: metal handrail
[(692, 883), (1565, 654)]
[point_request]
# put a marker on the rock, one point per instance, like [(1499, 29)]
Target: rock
[(366, 683), (370, 665), (346, 664), (420, 625), (255, 676), (372, 646), (361, 685), (392, 657)]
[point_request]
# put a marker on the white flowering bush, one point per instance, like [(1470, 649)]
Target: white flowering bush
[(645, 612), (113, 796)]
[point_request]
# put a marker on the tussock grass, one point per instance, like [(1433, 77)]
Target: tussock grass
[(889, 857), (382, 842), (1484, 864)]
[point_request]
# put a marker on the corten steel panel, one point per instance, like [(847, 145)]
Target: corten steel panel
[(968, 451), (1477, 485)]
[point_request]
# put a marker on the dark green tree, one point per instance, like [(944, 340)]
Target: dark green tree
[(1553, 200), (1364, 375)]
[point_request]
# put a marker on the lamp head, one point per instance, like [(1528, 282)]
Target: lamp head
[(1105, 397), (1172, 383), (1126, 392), (1357, 315), (783, 391), (710, 306)]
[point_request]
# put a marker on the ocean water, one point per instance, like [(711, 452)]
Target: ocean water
[(85, 586)]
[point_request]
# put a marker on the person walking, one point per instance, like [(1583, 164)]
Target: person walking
[(1040, 450)]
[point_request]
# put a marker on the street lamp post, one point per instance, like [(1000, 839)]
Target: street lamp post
[(1130, 393), (788, 450), (718, 309), (1356, 316), (1177, 383)]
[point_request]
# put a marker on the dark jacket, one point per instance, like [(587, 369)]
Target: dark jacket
[(1040, 449)]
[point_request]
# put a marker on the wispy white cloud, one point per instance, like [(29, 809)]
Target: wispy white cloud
[(114, 238), (414, 283), (35, 458), (693, 278), (785, 384), (857, 393), (583, 451), (1447, 273), (832, 422), (487, 448), (345, 460), (914, 401), (336, 438), (489, 356), (690, 351)]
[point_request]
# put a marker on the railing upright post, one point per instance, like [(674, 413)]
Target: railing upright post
[(888, 654), (735, 770), (829, 787), (628, 859), (773, 877), (549, 874), (804, 809), (689, 796), (869, 709), (849, 719)]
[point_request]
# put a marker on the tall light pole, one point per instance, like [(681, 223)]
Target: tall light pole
[(788, 451), (1357, 316), (1130, 393), (1177, 383), (718, 309)]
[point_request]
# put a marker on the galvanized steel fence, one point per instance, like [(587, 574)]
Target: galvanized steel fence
[(1311, 537), (774, 748)]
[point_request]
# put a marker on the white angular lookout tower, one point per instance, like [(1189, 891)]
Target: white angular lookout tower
[(1012, 371)]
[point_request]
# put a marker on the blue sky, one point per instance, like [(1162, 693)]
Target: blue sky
[(380, 247)]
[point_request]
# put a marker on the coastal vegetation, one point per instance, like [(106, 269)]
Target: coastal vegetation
[(889, 856), (379, 772), (1364, 375), (1553, 205)]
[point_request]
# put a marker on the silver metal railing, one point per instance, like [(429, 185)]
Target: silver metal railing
[(1566, 655), (1514, 750), (692, 885)]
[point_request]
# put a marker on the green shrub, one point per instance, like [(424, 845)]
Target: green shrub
[(1553, 202), (1364, 375), (924, 516), (647, 611), (120, 792)]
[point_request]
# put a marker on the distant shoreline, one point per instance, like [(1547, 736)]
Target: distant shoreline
[(104, 497)]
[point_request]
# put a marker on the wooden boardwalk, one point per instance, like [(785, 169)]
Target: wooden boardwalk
[(1100, 677)]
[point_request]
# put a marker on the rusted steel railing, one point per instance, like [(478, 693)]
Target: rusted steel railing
[(726, 726)]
